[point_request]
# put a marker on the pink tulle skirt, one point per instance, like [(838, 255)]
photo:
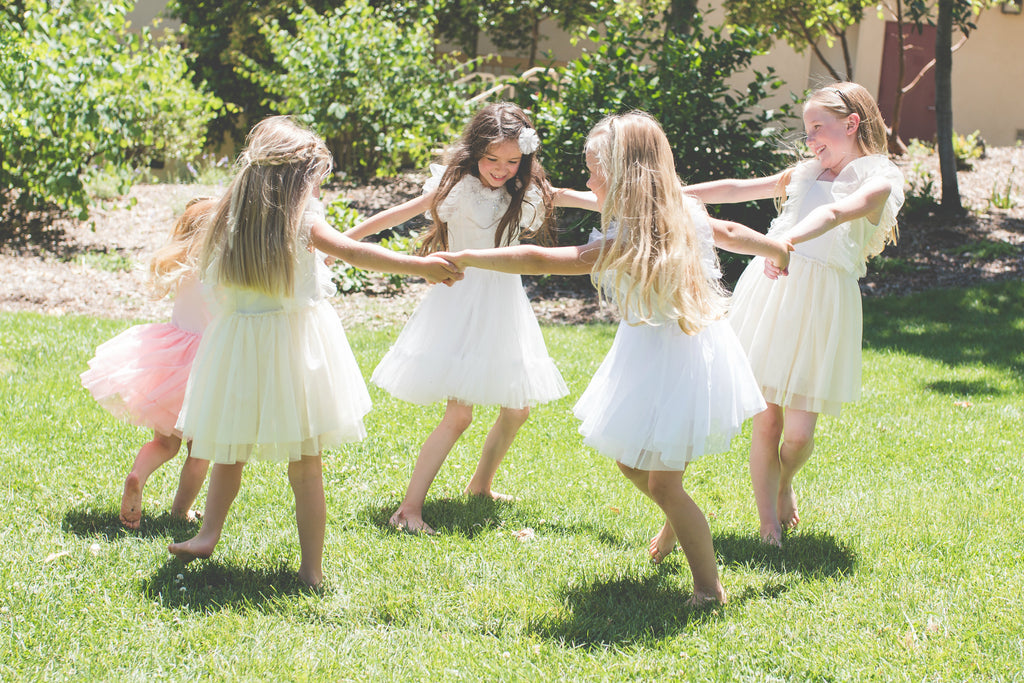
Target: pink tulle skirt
[(140, 375)]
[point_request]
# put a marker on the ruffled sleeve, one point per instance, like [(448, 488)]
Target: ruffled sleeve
[(705, 239), (873, 238), (533, 212), (447, 208)]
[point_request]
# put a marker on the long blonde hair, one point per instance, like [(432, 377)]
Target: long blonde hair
[(654, 257), (257, 228), (495, 123), (179, 256)]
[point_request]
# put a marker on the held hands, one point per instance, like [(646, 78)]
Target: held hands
[(779, 265), (437, 268)]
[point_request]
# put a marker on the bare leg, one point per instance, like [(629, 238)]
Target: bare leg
[(797, 446), (190, 482), (664, 542), (307, 481), (496, 445), (225, 481), (156, 452), (690, 527), (409, 515), (765, 470)]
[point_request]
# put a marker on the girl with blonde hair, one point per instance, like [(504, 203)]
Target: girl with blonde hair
[(675, 384), (140, 375), (803, 334), (274, 377)]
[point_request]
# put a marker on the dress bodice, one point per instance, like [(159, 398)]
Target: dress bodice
[(472, 211), (191, 312), (663, 311), (848, 246), (312, 279)]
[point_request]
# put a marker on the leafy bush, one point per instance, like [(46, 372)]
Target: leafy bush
[(967, 148), (681, 80), (81, 97), (373, 90), (347, 277), (919, 195)]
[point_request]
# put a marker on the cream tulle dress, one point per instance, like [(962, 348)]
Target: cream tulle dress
[(662, 398), (274, 377), (478, 341), (803, 331), (140, 375)]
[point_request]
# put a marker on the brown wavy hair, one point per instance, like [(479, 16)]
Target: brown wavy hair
[(495, 123)]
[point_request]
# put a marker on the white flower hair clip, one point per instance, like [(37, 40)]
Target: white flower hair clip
[(529, 141)]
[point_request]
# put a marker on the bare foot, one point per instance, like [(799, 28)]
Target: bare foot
[(662, 544), (190, 550), (702, 600), (414, 524), (493, 495), (314, 580), (788, 515), (771, 534), (189, 515), (131, 502)]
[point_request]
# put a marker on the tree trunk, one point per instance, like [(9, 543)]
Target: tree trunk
[(896, 145), (679, 17), (950, 203)]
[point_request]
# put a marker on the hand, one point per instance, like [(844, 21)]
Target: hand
[(437, 269), (774, 268)]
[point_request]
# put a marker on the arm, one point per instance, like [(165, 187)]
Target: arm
[(867, 201), (389, 218), (574, 199), (375, 257), (529, 259), (740, 239), (731, 191)]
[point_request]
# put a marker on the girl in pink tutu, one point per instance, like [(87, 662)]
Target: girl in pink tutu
[(676, 383), (140, 375)]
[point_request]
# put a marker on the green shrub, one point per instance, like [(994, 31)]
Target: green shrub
[(81, 97), (919, 195), (967, 148), (373, 90), (683, 81)]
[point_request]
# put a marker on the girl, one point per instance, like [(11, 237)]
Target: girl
[(477, 342), (675, 384), (140, 374), (803, 333), (274, 377)]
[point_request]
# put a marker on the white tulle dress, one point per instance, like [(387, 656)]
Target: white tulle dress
[(478, 341), (662, 398), (803, 332), (274, 377)]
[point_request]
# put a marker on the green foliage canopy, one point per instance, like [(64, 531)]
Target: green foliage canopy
[(373, 89), (79, 91)]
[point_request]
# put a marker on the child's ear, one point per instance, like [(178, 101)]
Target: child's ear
[(852, 122)]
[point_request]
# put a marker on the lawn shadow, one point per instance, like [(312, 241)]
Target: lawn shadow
[(622, 611), (89, 523), (209, 586), (469, 516), (809, 554), (954, 326)]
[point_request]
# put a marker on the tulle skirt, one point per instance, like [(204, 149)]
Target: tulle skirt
[(662, 398), (140, 375), (802, 334), (273, 386), (477, 342)]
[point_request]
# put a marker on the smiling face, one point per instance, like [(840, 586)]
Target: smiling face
[(830, 137), (499, 163)]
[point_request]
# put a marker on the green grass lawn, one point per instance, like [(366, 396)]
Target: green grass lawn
[(907, 565)]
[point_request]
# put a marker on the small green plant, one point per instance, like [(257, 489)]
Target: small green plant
[(893, 265), (1002, 199), (919, 198), (208, 169), (351, 279), (111, 262), (967, 148), (985, 250)]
